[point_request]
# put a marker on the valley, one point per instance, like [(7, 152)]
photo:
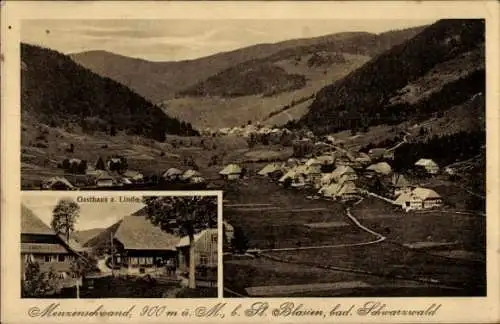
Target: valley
[(354, 163)]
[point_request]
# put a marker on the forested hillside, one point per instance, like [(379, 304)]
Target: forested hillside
[(433, 71), (58, 92)]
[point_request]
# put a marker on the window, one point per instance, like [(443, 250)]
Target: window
[(214, 238), (203, 259), (60, 258), (48, 258)]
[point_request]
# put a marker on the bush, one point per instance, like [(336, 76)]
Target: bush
[(37, 283)]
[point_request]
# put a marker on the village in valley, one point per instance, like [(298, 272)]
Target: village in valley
[(135, 257), (352, 164)]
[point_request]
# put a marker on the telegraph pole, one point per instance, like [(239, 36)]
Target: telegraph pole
[(112, 255)]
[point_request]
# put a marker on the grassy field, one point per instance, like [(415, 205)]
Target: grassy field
[(274, 217), (262, 272), (386, 259), (436, 226), (43, 148), (241, 274), (264, 211)]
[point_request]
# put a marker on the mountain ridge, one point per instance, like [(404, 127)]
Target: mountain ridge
[(165, 79)]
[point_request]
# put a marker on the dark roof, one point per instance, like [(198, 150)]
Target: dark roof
[(83, 236), (31, 224), (45, 248), (72, 244), (136, 232)]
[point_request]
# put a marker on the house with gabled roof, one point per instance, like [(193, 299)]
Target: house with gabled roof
[(400, 184), (231, 172), (188, 174), (348, 191), (270, 168), (418, 199), (40, 244), (102, 178), (172, 174), (344, 171), (343, 191), (205, 255), (382, 168), (58, 183), (136, 245), (428, 165), (135, 176)]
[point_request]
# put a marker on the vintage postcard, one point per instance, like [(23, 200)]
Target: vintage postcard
[(250, 161)]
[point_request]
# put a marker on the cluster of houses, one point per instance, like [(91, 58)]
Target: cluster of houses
[(190, 176), (110, 177), (132, 246), (247, 131), (342, 175)]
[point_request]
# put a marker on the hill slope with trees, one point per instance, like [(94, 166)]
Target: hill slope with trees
[(436, 70), (56, 91)]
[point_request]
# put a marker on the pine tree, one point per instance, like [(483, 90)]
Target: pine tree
[(100, 164), (64, 217), (239, 243)]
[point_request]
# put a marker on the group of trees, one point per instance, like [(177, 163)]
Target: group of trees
[(37, 283), (75, 167), (245, 79), (302, 148), (443, 150), (117, 163), (183, 216), (190, 162), (293, 103)]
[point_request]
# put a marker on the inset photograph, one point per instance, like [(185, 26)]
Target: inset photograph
[(118, 246)]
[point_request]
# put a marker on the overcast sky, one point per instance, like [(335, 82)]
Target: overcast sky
[(174, 40), (92, 215)]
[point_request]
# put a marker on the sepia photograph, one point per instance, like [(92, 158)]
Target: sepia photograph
[(281, 161), (351, 153), (118, 246)]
